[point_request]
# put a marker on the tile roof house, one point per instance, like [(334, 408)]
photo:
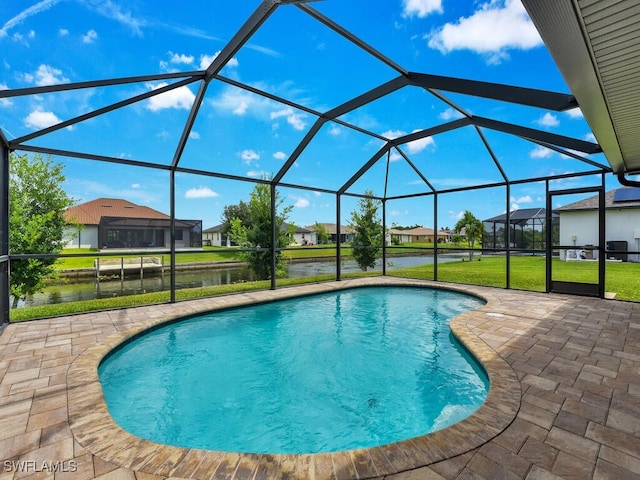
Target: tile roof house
[(579, 224), (116, 223)]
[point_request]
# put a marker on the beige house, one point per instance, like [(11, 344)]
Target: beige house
[(346, 232), (420, 234)]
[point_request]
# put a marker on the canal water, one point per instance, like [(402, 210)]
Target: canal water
[(90, 289)]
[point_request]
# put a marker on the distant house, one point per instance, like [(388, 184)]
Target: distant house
[(579, 223), (213, 236), (346, 232), (116, 223), (304, 236), (420, 234)]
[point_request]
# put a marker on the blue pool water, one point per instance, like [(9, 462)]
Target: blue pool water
[(350, 369)]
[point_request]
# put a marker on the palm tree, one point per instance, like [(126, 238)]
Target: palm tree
[(472, 228)]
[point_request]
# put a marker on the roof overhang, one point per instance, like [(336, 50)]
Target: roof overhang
[(596, 46)]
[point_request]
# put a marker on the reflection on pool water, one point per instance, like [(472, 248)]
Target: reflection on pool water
[(336, 371)]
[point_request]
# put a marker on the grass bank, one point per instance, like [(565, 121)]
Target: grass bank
[(527, 273), (206, 255), (69, 308)]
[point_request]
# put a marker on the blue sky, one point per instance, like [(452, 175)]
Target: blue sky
[(295, 57)]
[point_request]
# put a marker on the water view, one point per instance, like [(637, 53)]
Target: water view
[(90, 288)]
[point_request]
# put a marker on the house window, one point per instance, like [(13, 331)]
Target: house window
[(179, 235)]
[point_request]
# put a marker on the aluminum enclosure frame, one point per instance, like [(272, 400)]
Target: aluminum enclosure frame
[(438, 86)]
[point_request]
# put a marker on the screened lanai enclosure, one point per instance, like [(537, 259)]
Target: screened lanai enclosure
[(525, 232), (404, 133)]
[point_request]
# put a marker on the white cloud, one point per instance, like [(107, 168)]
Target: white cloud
[(90, 37), (265, 50), (4, 102), (541, 152), (195, 135), (301, 202), (335, 130), (420, 8), (296, 120), (497, 26), (279, 155), (249, 156), (236, 101), (180, 97), (574, 113), (257, 174), (135, 185), (241, 108), (241, 102), (180, 58), (450, 114), (391, 134), (26, 13), (47, 75), (63, 32), (524, 199), (41, 119), (200, 192), (205, 61), (548, 120), (413, 147), (456, 215), (112, 10), (590, 137), (419, 145), (398, 213), (395, 156)]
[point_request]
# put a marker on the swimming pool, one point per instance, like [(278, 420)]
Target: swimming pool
[(328, 372)]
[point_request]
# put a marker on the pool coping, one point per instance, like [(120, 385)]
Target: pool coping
[(93, 427)]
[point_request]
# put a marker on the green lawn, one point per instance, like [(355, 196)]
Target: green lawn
[(207, 255), (528, 273), (68, 308)]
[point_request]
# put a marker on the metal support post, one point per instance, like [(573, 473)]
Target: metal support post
[(602, 239), (384, 237), (508, 252), (4, 232), (435, 245), (274, 237), (172, 233), (338, 247)]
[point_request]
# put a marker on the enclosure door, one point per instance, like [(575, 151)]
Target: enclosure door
[(575, 259)]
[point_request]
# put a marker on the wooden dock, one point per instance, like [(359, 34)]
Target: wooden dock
[(123, 265)]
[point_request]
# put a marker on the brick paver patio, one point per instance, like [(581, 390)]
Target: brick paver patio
[(564, 403)]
